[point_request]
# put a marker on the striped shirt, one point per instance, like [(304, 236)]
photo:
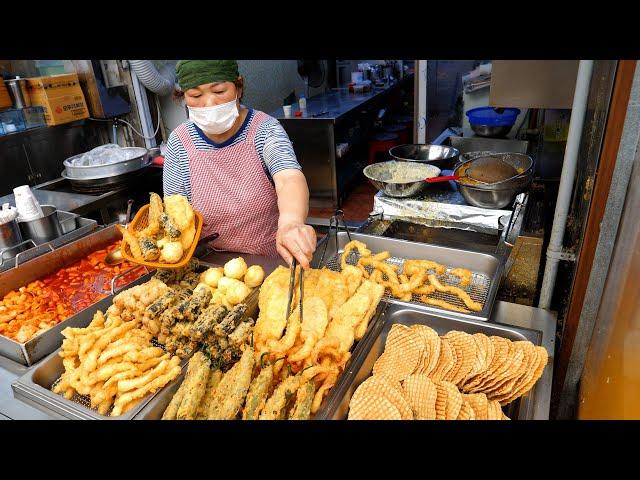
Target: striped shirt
[(271, 142)]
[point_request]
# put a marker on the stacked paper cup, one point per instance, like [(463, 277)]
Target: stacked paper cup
[(27, 204)]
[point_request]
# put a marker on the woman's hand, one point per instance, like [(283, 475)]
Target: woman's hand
[(296, 240)]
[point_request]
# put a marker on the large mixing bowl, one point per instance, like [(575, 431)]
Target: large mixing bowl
[(441, 156), (501, 194), (381, 175)]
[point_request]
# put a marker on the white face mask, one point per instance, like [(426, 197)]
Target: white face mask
[(215, 120)]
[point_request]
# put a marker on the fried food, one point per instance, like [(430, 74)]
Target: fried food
[(349, 247), (188, 236), (493, 371), (235, 268), (258, 392), (132, 241), (155, 210), (234, 291), (232, 389), (409, 267), (111, 360), (304, 398), (353, 277), (464, 296), (272, 302), (463, 274), (275, 405), (211, 276), (314, 323), (254, 276), (442, 303), (172, 252), (179, 211), (195, 384)]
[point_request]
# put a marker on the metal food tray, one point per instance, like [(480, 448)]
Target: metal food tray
[(533, 406), (73, 228), (155, 408), (487, 269), (46, 342), (34, 387)]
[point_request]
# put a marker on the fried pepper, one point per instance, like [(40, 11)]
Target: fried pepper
[(302, 408), (195, 388), (232, 389), (257, 396), (215, 376), (275, 405)]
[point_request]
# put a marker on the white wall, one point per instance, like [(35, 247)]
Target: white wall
[(267, 83)]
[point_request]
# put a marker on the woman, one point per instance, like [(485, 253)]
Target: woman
[(237, 167)]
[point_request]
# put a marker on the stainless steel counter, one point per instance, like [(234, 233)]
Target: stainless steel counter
[(335, 104)]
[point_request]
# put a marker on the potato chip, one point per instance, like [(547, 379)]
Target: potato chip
[(510, 368), (386, 387), (505, 389), (448, 401), (537, 368), (501, 348), (431, 351), (421, 393), (446, 360), (465, 348), (402, 353), (466, 412), (479, 403), (372, 407)]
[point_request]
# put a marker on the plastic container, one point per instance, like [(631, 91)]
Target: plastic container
[(489, 116), (34, 117), (302, 103), (12, 120)]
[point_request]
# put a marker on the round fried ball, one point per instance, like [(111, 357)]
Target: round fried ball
[(254, 276), (235, 268)]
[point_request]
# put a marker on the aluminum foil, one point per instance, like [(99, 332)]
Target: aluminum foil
[(442, 208)]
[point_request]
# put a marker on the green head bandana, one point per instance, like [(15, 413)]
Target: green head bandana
[(191, 73)]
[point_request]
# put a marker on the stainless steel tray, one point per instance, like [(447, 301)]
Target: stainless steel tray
[(34, 387), (487, 269), (140, 159), (41, 345), (154, 409), (524, 408), (73, 228)]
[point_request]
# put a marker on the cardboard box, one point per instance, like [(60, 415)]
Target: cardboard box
[(5, 98), (533, 83), (60, 96)]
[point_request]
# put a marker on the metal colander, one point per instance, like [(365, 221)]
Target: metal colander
[(477, 289)]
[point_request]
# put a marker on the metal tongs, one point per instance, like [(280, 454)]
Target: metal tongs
[(292, 281), (335, 219)]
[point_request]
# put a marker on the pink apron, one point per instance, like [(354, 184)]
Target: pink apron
[(230, 188)]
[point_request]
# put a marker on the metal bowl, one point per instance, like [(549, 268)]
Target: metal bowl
[(139, 158), (520, 161), (378, 173), (501, 194), (491, 130), (441, 156)]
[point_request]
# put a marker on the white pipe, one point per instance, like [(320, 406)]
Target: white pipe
[(151, 78), (143, 111), (420, 103), (566, 181)]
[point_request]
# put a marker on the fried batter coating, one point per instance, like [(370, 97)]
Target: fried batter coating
[(353, 244), (464, 296)]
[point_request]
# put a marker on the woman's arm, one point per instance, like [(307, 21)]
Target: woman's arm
[(294, 238)]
